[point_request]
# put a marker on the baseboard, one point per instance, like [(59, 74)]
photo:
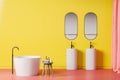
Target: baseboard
[(64, 67)]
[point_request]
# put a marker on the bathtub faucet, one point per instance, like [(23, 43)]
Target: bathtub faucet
[(13, 56)]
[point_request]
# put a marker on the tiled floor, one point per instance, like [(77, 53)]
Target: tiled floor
[(66, 75)]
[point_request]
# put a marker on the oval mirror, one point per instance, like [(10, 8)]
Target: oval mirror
[(71, 26), (90, 26)]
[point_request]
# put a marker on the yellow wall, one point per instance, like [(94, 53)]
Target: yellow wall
[(37, 28)]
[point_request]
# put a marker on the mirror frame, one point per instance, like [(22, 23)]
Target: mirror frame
[(96, 26), (65, 26)]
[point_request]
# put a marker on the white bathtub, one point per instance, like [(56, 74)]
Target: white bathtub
[(27, 65)]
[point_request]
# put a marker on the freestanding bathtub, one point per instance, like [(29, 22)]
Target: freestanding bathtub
[(26, 65)]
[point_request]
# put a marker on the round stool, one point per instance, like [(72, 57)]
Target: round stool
[(47, 68)]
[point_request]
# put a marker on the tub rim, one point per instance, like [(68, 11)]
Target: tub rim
[(27, 57)]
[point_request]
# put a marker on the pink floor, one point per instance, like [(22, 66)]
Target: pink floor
[(66, 75)]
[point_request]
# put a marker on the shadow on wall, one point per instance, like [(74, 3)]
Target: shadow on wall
[(99, 59), (80, 59)]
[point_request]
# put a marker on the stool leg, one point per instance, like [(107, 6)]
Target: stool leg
[(43, 71), (47, 69), (51, 69)]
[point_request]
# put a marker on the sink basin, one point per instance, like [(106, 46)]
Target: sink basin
[(26, 65)]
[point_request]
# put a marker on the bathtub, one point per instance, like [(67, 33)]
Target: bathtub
[(26, 65)]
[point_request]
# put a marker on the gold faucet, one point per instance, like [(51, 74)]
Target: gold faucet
[(13, 55)]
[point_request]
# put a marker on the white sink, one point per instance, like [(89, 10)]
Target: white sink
[(26, 65), (71, 59), (90, 59)]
